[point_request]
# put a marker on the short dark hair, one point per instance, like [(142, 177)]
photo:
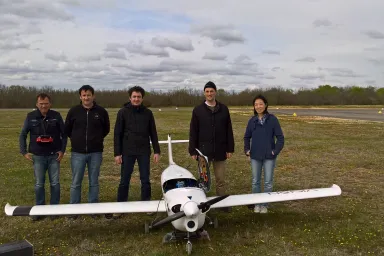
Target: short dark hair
[(86, 88), (136, 89), (260, 97), (43, 96)]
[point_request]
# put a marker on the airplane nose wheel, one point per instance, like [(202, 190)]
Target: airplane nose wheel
[(189, 247)]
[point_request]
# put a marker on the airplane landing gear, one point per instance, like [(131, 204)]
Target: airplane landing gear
[(146, 227), (214, 221), (189, 245)]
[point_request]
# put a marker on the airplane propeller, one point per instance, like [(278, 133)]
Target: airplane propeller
[(204, 206)]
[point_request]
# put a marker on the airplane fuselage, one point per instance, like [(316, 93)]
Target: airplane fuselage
[(181, 193)]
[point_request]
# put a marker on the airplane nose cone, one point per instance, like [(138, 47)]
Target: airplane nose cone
[(190, 209)]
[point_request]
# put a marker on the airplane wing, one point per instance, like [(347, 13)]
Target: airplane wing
[(87, 208), (279, 196)]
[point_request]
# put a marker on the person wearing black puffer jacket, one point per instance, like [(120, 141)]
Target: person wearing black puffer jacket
[(86, 124), (134, 129)]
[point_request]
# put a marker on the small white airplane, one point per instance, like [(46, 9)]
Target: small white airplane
[(184, 200)]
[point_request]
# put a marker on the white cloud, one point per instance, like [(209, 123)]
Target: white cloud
[(306, 59), (13, 45), (179, 44), (160, 44), (56, 57), (214, 56), (271, 52), (146, 49), (222, 35), (374, 34), (322, 23)]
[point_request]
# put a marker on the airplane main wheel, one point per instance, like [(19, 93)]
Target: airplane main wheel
[(189, 247), (215, 222), (146, 227)]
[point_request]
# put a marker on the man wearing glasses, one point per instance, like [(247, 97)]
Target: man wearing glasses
[(46, 148)]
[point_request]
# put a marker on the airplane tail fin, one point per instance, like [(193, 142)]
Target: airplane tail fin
[(169, 142)]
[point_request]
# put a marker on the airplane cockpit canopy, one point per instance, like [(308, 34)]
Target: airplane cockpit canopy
[(179, 183)]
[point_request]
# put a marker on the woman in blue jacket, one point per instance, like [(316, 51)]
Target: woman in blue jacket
[(263, 141)]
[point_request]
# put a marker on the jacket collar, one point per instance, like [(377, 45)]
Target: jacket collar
[(137, 108), (93, 106), (216, 109)]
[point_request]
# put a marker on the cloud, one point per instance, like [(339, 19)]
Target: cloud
[(179, 44), (173, 79), (377, 62), (373, 49), (322, 23), (370, 82), (311, 74), (271, 52), (13, 45), (9, 21), (43, 9), (56, 57), (214, 56), (342, 72), (374, 34), (120, 55), (306, 59), (243, 59), (164, 43), (146, 49), (222, 35), (88, 58)]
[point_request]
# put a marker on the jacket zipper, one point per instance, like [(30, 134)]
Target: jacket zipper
[(86, 135)]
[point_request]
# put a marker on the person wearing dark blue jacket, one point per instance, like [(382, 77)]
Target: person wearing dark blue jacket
[(47, 143), (263, 142)]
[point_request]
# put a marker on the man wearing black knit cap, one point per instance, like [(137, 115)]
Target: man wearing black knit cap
[(211, 133)]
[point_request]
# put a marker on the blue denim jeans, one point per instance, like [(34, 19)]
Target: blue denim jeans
[(126, 172), (269, 167), (40, 165), (78, 163)]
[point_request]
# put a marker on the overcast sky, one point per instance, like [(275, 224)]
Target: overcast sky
[(171, 43)]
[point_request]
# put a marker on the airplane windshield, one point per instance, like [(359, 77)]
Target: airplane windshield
[(179, 183)]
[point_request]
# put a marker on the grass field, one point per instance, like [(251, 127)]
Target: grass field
[(318, 152)]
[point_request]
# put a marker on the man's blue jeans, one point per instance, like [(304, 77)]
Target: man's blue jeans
[(126, 172), (269, 167), (78, 163), (40, 165)]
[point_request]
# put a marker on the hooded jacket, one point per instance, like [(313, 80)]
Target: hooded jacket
[(134, 129)]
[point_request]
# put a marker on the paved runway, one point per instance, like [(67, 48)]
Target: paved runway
[(359, 114)]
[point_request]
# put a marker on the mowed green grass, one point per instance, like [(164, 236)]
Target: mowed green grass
[(318, 153)]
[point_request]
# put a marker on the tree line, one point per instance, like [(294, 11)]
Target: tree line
[(16, 96)]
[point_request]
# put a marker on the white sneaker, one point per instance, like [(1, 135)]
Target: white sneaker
[(257, 209), (263, 209)]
